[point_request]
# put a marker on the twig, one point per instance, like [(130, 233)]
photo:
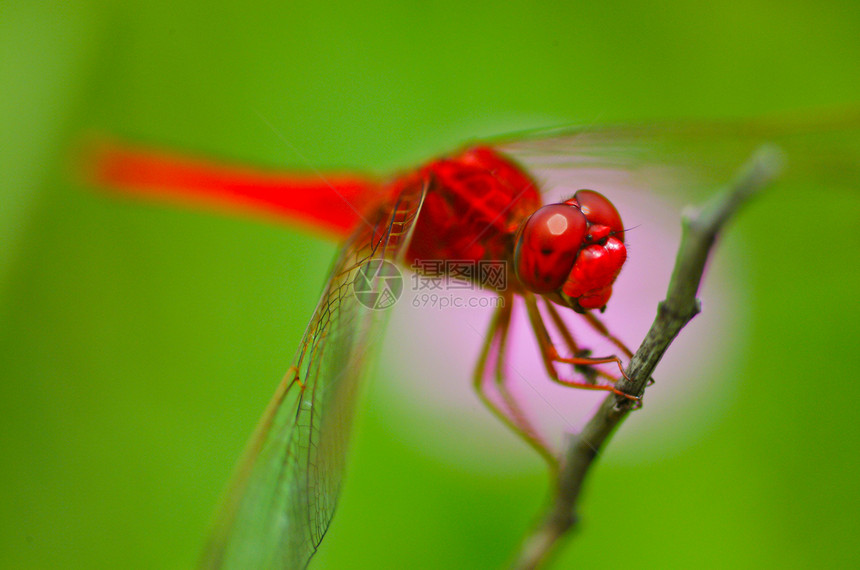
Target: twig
[(700, 229)]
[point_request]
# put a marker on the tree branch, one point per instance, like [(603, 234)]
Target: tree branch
[(700, 229)]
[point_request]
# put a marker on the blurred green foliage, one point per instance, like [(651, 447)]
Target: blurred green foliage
[(139, 343)]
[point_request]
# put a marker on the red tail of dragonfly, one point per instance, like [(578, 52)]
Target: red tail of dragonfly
[(479, 210)]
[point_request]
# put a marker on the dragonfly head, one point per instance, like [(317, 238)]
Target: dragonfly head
[(572, 252)]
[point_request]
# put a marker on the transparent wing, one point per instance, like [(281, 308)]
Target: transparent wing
[(284, 494), (820, 148)]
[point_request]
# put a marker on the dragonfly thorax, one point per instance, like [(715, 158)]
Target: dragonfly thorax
[(473, 204)]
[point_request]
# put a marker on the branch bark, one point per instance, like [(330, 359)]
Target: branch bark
[(700, 228)]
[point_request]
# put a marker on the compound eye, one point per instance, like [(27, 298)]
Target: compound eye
[(547, 246), (598, 210)]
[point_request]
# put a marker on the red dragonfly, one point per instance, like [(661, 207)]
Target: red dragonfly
[(479, 210)]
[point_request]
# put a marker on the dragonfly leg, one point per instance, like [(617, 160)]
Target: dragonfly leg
[(501, 381), (598, 325), (550, 355), (590, 372), (512, 417)]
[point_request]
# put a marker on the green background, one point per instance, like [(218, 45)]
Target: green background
[(139, 343)]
